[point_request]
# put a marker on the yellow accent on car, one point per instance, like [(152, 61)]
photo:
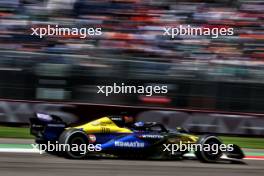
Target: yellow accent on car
[(103, 125), (185, 138)]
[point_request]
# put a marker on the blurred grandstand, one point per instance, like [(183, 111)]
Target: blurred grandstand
[(226, 73)]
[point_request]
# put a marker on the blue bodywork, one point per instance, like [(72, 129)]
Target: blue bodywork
[(136, 141), (114, 141)]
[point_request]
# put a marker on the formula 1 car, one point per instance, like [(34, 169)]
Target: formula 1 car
[(149, 140)]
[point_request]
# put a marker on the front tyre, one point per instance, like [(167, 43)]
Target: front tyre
[(209, 151), (75, 143)]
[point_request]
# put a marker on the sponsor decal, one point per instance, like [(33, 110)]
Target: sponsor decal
[(56, 125), (44, 117), (92, 138), (130, 144), (116, 119), (150, 136), (96, 123)]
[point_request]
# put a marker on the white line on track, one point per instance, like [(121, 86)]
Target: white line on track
[(18, 150)]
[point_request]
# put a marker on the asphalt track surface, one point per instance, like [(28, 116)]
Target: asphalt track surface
[(33, 164), (24, 164)]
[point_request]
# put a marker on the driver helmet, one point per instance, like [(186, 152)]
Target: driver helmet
[(139, 124)]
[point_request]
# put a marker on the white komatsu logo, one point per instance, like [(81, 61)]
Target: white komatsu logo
[(129, 144)]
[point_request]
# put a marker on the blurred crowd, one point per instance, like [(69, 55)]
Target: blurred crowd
[(133, 35)]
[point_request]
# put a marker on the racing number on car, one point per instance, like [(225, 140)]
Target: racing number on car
[(105, 130)]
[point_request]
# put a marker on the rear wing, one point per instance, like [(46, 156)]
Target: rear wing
[(41, 122)]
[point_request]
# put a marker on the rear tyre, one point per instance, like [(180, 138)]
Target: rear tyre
[(209, 142), (75, 141)]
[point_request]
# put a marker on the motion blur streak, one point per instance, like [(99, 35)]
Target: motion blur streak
[(224, 73)]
